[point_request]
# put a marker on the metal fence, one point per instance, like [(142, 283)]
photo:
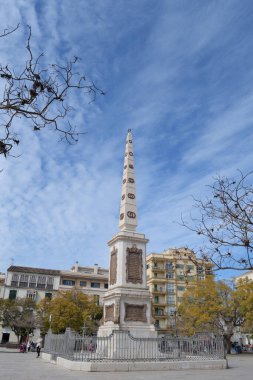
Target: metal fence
[(122, 346)]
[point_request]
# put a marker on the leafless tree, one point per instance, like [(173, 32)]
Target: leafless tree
[(38, 94), (226, 222)]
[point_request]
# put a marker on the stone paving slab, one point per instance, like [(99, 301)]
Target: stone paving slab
[(19, 366)]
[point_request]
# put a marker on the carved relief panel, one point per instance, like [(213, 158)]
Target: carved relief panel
[(109, 313), (135, 313), (113, 267), (134, 265)]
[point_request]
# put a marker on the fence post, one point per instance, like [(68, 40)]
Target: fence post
[(47, 342), (69, 343)]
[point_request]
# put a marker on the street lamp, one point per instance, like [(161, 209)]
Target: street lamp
[(174, 314), (50, 321)]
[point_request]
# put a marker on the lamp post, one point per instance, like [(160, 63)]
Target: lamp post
[(174, 315)]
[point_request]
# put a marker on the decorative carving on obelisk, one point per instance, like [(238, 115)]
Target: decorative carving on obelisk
[(134, 265), (113, 266)]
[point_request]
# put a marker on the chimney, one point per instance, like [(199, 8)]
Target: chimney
[(95, 268), (76, 266)]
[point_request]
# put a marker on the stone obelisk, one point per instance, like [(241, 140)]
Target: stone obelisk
[(127, 303)]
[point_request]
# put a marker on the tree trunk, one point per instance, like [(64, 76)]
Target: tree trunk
[(227, 343)]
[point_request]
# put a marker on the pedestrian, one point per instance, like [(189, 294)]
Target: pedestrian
[(28, 346), (38, 348)]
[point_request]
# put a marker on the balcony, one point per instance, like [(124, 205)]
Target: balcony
[(14, 283), (158, 269), (23, 284), (159, 303), (41, 286), (158, 290), (157, 278), (160, 315)]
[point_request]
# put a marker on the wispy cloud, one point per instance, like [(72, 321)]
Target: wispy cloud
[(178, 73)]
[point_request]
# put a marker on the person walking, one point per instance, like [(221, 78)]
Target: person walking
[(38, 348)]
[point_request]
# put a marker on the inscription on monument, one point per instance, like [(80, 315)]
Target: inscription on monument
[(136, 313), (113, 267), (134, 265), (109, 313)]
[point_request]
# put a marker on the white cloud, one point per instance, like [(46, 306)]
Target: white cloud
[(171, 73)]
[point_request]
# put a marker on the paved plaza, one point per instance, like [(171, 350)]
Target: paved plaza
[(18, 366)]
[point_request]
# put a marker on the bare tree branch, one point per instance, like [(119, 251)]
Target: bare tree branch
[(40, 95), (226, 222)]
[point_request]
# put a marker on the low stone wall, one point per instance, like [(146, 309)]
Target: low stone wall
[(136, 366)]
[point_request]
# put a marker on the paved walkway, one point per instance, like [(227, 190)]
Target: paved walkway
[(18, 366)]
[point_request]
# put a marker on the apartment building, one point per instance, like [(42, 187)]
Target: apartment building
[(168, 275), (93, 281), (38, 283)]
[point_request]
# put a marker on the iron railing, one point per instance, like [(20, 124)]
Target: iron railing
[(122, 346)]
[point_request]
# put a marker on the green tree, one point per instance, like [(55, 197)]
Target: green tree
[(215, 307), (19, 315), (72, 309)]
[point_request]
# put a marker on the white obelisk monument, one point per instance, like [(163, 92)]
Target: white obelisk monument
[(127, 303)]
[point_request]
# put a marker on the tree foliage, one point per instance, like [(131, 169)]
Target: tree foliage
[(38, 94), (216, 307), (225, 222), (19, 315), (72, 309)]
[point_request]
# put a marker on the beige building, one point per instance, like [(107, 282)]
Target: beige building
[(168, 275), (93, 281), (38, 283), (246, 276)]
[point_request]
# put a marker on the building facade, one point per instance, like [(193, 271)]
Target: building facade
[(93, 281), (168, 275), (248, 276), (38, 283)]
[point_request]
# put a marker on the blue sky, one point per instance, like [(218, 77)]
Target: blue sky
[(178, 73)]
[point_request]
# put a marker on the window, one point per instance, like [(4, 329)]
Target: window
[(50, 283), (23, 282), (95, 284), (155, 274), (83, 283), (31, 294), (48, 295), (32, 281), (190, 267), (169, 265), (15, 279), (68, 282), (41, 284), (171, 300), (170, 288), (156, 299), (170, 275), (180, 266), (12, 294), (155, 287), (181, 288), (171, 311), (106, 286)]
